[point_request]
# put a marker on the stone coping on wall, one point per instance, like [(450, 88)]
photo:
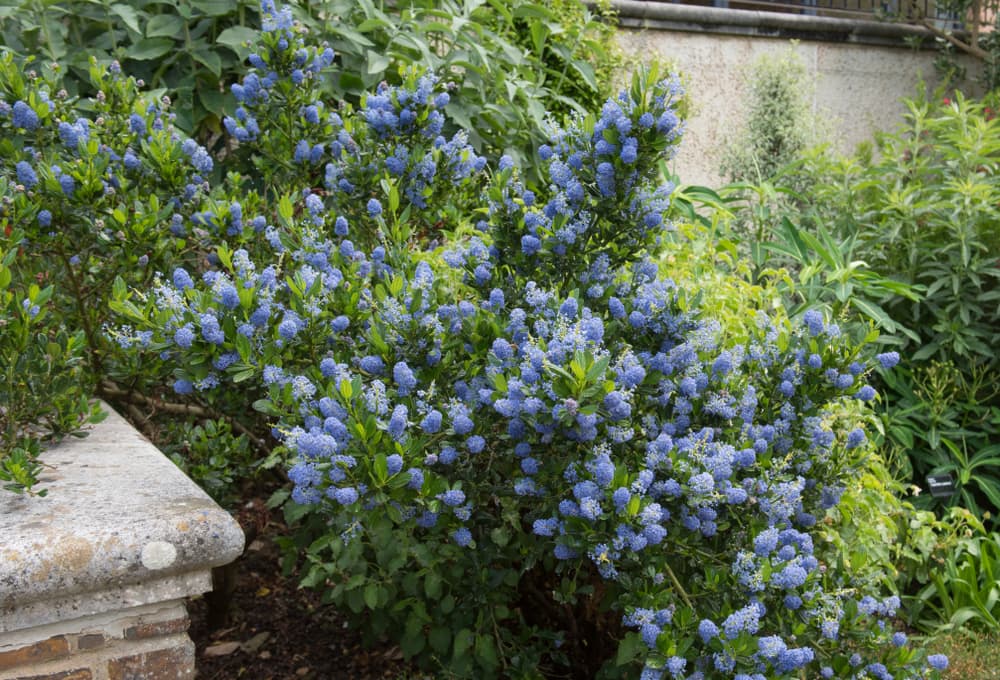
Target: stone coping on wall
[(653, 14), (120, 527)]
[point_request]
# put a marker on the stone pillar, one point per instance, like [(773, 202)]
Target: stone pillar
[(93, 576)]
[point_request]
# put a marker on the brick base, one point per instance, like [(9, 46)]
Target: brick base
[(145, 643)]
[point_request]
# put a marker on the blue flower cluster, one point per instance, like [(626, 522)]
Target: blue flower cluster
[(603, 205)]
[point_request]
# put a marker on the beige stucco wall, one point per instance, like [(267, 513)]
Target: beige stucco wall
[(858, 88)]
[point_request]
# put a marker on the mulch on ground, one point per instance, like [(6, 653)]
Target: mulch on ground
[(276, 630)]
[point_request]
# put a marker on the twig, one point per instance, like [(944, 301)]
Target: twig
[(974, 50), (677, 584), (112, 390)]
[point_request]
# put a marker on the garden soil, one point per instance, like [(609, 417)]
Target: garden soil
[(274, 630)]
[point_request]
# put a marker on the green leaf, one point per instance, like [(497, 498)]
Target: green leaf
[(432, 585), (377, 63), (628, 649), (164, 26), (237, 36), (214, 8), (129, 16), (486, 651), (875, 313), (371, 595), (463, 640), (267, 407), (210, 60), (150, 48), (440, 639)]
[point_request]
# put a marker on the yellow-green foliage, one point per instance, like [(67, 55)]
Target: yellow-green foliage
[(708, 267)]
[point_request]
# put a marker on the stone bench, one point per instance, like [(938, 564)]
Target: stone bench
[(93, 576)]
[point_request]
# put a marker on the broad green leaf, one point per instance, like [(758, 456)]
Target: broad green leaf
[(236, 36), (210, 60), (150, 48), (129, 16), (164, 26), (377, 63)]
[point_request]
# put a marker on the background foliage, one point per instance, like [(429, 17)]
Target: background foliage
[(514, 62)]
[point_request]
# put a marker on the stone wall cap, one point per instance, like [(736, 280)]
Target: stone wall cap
[(118, 513), (671, 16)]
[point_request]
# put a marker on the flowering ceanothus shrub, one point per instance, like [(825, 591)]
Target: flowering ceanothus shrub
[(89, 188), (523, 451)]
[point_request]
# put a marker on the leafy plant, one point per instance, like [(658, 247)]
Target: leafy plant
[(513, 62), (942, 419), (187, 49), (906, 239), (965, 590), (43, 392), (213, 456), (778, 123)]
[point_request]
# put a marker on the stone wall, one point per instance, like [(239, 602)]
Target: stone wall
[(93, 576), (860, 70)]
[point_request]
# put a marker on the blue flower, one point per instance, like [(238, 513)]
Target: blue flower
[(44, 218), (398, 422), (67, 184), (374, 207), (405, 380), (530, 244), (229, 297), (394, 464), (462, 536), (937, 661), (288, 328), (866, 393), (24, 116), (814, 322), (372, 364), (501, 349), (182, 279), (345, 495), (855, 438), (771, 646), (184, 336), (452, 498), (888, 360), (545, 527), (707, 630), (26, 174), (431, 423), (137, 124)]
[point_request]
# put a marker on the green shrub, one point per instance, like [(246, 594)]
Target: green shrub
[(514, 62), (963, 592), (215, 458), (43, 385), (778, 121), (924, 212)]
